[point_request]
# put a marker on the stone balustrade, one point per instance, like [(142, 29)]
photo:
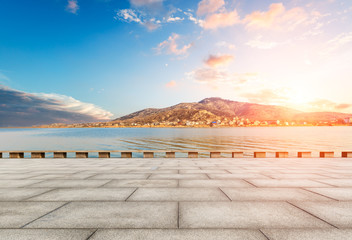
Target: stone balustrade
[(169, 154)]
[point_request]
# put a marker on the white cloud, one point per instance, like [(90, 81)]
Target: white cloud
[(226, 45), (20, 108), (209, 6), (260, 44), (170, 46), (174, 19), (72, 6), (337, 42), (65, 103), (130, 15), (193, 19), (3, 77)]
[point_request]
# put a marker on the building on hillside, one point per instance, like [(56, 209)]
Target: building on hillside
[(347, 120)]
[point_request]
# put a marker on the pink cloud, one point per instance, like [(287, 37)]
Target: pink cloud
[(209, 6), (72, 6), (218, 20), (215, 77), (343, 106), (327, 105), (151, 26), (171, 84), (265, 96), (170, 46), (277, 17), (216, 61), (139, 3)]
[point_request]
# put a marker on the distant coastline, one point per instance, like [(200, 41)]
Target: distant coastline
[(205, 126)]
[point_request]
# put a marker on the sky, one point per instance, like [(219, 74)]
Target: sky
[(103, 59)]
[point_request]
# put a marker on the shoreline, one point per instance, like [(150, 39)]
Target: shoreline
[(226, 126)]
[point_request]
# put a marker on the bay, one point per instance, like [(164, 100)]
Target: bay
[(247, 139)]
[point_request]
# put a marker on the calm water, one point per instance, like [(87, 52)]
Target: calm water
[(242, 139)]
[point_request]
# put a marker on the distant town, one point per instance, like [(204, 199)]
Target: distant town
[(224, 122)]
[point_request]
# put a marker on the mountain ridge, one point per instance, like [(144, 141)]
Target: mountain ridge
[(214, 108)]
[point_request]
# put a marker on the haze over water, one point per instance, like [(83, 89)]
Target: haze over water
[(268, 139)]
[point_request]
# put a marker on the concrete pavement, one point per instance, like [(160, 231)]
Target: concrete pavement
[(165, 198)]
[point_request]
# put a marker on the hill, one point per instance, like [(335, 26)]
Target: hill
[(211, 109)]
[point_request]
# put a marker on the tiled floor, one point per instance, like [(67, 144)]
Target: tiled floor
[(202, 198)]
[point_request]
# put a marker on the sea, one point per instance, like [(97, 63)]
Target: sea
[(246, 139)]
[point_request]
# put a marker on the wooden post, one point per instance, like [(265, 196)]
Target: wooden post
[(304, 154), (81, 154), (37, 154), (281, 154), (259, 154), (215, 154), (326, 154), (16, 155), (237, 154), (170, 154), (60, 154), (104, 154), (126, 154), (192, 154), (0, 154), (148, 154), (346, 154)]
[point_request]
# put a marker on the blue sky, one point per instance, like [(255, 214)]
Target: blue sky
[(107, 58)]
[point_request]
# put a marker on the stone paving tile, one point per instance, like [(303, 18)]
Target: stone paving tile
[(296, 176), (252, 215), (204, 171), (17, 183), (18, 194), (17, 214), (336, 213), (85, 194), (338, 182), (215, 183), (64, 176), (94, 200), (45, 234), (121, 176), (308, 234), (286, 183), (179, 234), (154, 171), (178, 168), (178, 176), (70, 183), (272, 194), (342, 194), (17, 175), (111, 215), (57, 171), (338, 175), (237, 176), (50, 176), (141, 183), (178, 194)]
